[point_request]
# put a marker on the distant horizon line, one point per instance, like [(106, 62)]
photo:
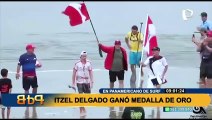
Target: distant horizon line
[(91, 33)]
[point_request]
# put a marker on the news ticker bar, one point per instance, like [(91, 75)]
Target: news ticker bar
[(155, 91), (103, 100)]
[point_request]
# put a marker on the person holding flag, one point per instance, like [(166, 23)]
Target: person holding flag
[(78, 14), (116, 64), (158, 67), (134, 40), (157, 64)]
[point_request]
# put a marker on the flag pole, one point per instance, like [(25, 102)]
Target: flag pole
[(142, 53), (137, 55), (100, 51)]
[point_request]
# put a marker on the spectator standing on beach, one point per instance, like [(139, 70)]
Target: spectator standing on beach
[(5, 88), (28, 61), (83, 77)]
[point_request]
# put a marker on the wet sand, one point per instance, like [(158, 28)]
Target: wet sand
[(58, 81)]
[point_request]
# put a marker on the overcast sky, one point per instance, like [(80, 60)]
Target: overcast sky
[(19, 18)]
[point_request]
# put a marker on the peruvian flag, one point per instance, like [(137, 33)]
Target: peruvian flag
[(150, 40), (77, 13)]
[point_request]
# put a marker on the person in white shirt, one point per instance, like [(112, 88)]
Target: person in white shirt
[(158, 67), (83, 77)]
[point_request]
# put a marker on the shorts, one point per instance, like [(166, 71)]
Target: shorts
[(114, 74), (135, 58), (84, 87), (206, 69), (27, 82)]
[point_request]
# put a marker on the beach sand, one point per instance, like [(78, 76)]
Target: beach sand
[(54, 81)]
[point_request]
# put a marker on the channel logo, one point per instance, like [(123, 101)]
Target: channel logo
[(30, 100), (198, 112)]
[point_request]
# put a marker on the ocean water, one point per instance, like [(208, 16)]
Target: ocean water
[(59, 51), (64, 48)]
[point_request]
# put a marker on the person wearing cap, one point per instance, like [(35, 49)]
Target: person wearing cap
[(203, 38), (209, 38), (204, 48), (158, 67), (205, 23), (29, 63), (116, 63), (209, 81), (83, 77), (134, 41)]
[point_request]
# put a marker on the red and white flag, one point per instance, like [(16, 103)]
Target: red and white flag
[(77, 13), (150, 40)]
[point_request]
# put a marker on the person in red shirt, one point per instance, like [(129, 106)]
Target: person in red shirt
[(5, 88), (115, 62)]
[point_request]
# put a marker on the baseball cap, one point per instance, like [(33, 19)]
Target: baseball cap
[(30, 46), (156, 48), (117, 42), (83, 53), (209, 33), (204, 14)]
